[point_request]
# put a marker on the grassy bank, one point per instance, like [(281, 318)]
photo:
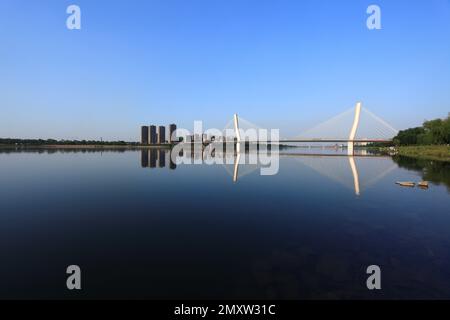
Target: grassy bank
[(439, 153)]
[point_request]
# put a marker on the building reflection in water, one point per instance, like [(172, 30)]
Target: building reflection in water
[(144, 159), (161, 158), (153, 155), (153, 158)]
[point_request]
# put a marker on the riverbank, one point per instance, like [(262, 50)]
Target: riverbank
[(101, 146), (438, 153), (83, 146)]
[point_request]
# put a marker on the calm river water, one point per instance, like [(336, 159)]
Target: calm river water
[(141, 226)]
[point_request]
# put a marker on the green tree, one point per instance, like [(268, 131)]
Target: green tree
[(435, 132), (409, 136)]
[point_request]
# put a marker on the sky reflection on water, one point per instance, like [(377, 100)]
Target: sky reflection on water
[(140, 226)]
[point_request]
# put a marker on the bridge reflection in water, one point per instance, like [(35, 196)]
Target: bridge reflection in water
[(356, 172), (353, 172)]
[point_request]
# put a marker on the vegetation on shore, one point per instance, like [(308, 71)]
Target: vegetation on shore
[(428, 142), (439, 153), (434, 132), (53, 142)]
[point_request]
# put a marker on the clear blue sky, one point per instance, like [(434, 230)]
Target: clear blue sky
[(280, 64)]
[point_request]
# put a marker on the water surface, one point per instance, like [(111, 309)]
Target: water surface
[(140, 226)]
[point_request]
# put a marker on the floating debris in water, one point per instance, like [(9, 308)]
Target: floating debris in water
[(406, 184), (423, 184)]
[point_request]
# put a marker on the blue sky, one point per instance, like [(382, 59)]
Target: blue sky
[(280, 64)]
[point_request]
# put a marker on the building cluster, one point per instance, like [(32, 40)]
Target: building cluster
[(157, 134)]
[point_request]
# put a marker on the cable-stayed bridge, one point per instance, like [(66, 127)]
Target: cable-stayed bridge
[(357, 125), (354, 126)]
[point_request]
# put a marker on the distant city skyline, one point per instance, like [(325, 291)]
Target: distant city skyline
[(279, 64)]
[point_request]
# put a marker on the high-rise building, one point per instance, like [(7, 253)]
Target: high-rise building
[(172, 129), (152, 135), (161, 134), (144, 135)]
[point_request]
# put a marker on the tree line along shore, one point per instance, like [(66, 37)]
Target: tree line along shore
[(431, 141), (54, 142)]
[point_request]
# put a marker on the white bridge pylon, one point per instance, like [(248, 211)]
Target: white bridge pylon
[(336, 130), (352, 135), (237, 132)]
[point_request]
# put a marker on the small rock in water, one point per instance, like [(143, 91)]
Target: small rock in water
[(423, 184)]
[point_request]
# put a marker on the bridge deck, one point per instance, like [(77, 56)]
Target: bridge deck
[(325, 140)]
